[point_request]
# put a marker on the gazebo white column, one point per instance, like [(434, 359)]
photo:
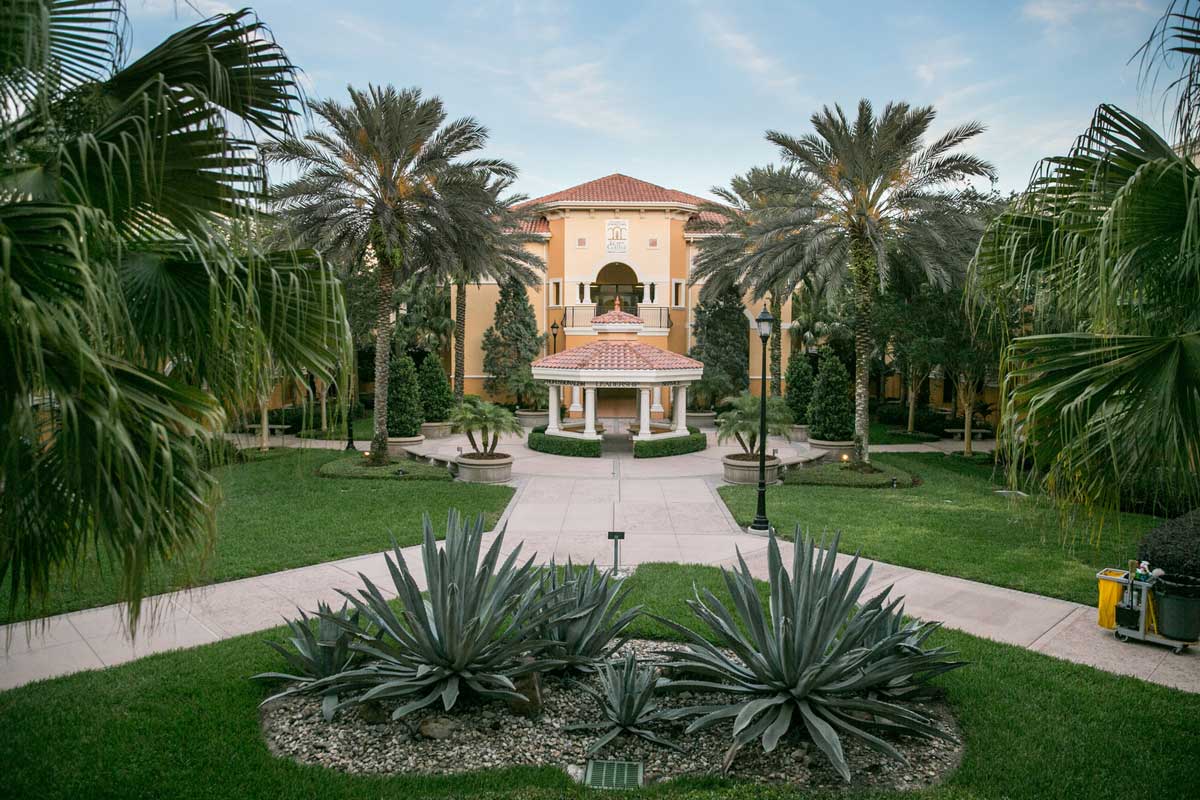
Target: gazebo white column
[(576, 399), (589, 411), (552, 423), (679, 402), (644, 423), (656, 406)]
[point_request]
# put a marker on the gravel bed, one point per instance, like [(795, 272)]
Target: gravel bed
[(485, 735)]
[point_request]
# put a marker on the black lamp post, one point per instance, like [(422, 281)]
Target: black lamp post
[(760, 524), (554, 336)]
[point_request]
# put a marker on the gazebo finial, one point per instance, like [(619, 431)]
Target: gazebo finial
[(617, 303)]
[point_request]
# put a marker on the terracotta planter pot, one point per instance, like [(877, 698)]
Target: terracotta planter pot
[(474, 469), (836, 449), (435, 430), (531, 419), (398, 445), (745, 471), (799, 433), (702, 419)]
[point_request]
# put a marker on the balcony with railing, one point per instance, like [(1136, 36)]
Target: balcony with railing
[(581, 315)]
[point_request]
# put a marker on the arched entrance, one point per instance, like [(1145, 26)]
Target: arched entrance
[(616, 279)]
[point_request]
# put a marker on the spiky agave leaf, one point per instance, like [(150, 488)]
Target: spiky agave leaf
[(627, 698), (592, 626), (476, 631), (816, 656), (317, 654)]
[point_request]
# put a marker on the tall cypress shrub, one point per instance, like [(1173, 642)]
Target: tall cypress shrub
[(831, 411), (512, 342), (722, 345), (436, 398), (404, 413), (799, 387)]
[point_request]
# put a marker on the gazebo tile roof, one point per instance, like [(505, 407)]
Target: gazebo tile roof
[(617, 355), (617, 317)]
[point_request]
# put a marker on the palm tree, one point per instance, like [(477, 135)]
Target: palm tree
[(1099, 263), (741, 422), (488, 242), (388, 177), (489, 420), (846, 194), (139, 306)]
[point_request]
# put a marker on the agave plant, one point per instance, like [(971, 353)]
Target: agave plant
[(592, 624), (627, 700), (317, 654), (476, 631), (817, 657)]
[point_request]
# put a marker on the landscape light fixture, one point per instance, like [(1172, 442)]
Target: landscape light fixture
[(554, 337), (764, 322)]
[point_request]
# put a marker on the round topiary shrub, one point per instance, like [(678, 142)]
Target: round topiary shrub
[(831, 412), (1174, 546), (799, 387), (437, 399), (404, 414)]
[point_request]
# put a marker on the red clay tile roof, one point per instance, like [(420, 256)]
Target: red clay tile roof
[(618, 188), (535, 225), (623, 354), (617, 317)]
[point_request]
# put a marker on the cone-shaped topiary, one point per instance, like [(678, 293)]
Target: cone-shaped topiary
[(799, 387), (831, 412), (404, 414), (437, 400)]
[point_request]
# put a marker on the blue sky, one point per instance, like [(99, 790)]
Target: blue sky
[(679, 92)]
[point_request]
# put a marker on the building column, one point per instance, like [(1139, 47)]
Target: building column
[(644, 424), (576, 399), (680, 406), (587, 293), (656, 406), (589, 411), (552, 423), (645, 294)]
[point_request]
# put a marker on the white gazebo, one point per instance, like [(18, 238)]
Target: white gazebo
[(616, 359)]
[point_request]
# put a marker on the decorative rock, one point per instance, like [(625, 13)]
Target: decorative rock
[(576, 772), (437, 727), (529, 685)]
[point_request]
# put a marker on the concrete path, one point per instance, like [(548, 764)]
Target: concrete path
[(667, 513)]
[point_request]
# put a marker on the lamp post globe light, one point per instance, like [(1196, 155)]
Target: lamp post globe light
[(760, 524), (554, 336)]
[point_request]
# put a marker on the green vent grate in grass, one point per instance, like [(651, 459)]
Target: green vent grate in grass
[(613, 774)]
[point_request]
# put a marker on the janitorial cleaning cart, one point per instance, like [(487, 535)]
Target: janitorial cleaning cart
[(1127, 608)]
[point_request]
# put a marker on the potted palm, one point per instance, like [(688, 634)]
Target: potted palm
[(741, 423), (831, 411), (703, 399), (484, 423), (532, 398)]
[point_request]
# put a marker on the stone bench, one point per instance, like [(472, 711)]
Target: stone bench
[(271, 429), (977, 433)]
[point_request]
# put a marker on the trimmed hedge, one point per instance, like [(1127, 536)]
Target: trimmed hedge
[(1174, 546), (693, 442), (562, 445)]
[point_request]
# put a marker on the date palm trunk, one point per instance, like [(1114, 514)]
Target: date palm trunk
[(862, 268), (966, 392), (383, 350), (264, 430), (914, 389), (776, 346), (460, 339)]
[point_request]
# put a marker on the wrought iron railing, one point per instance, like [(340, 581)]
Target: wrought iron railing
[(580, 316)]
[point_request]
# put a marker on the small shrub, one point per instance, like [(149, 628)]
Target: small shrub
[(542, 442), (694, 442), (892, 414), (404, 414), (831, 412), (319, 654), (592, 625), (1174, 546), (437, 398), (930, 421), (627, 700), (799, 387)]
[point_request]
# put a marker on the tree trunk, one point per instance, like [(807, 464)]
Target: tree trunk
[(914, 388), (264, 431), (460, 339), (323, 388), (776, 346), (966, 391), (862, 269), (383, 352)]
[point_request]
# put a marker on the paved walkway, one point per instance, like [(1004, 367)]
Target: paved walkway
[(669, 511)]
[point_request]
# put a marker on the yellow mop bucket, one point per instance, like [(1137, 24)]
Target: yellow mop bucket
[(1111, 583)]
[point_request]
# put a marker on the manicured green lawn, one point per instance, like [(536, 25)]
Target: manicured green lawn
[(364, 429), (954, 524), (184, 725), (887, 434), (278, 513)]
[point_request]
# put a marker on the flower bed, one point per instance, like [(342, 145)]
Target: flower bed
[(399, 469), (839, 474), (542, 442)]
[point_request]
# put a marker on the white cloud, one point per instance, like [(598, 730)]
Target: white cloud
[(746, 54), (581, 95), (1057, 13), (933, 69), (182, 8)]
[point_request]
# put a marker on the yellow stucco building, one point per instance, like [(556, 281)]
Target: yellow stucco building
[(613, 240)]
